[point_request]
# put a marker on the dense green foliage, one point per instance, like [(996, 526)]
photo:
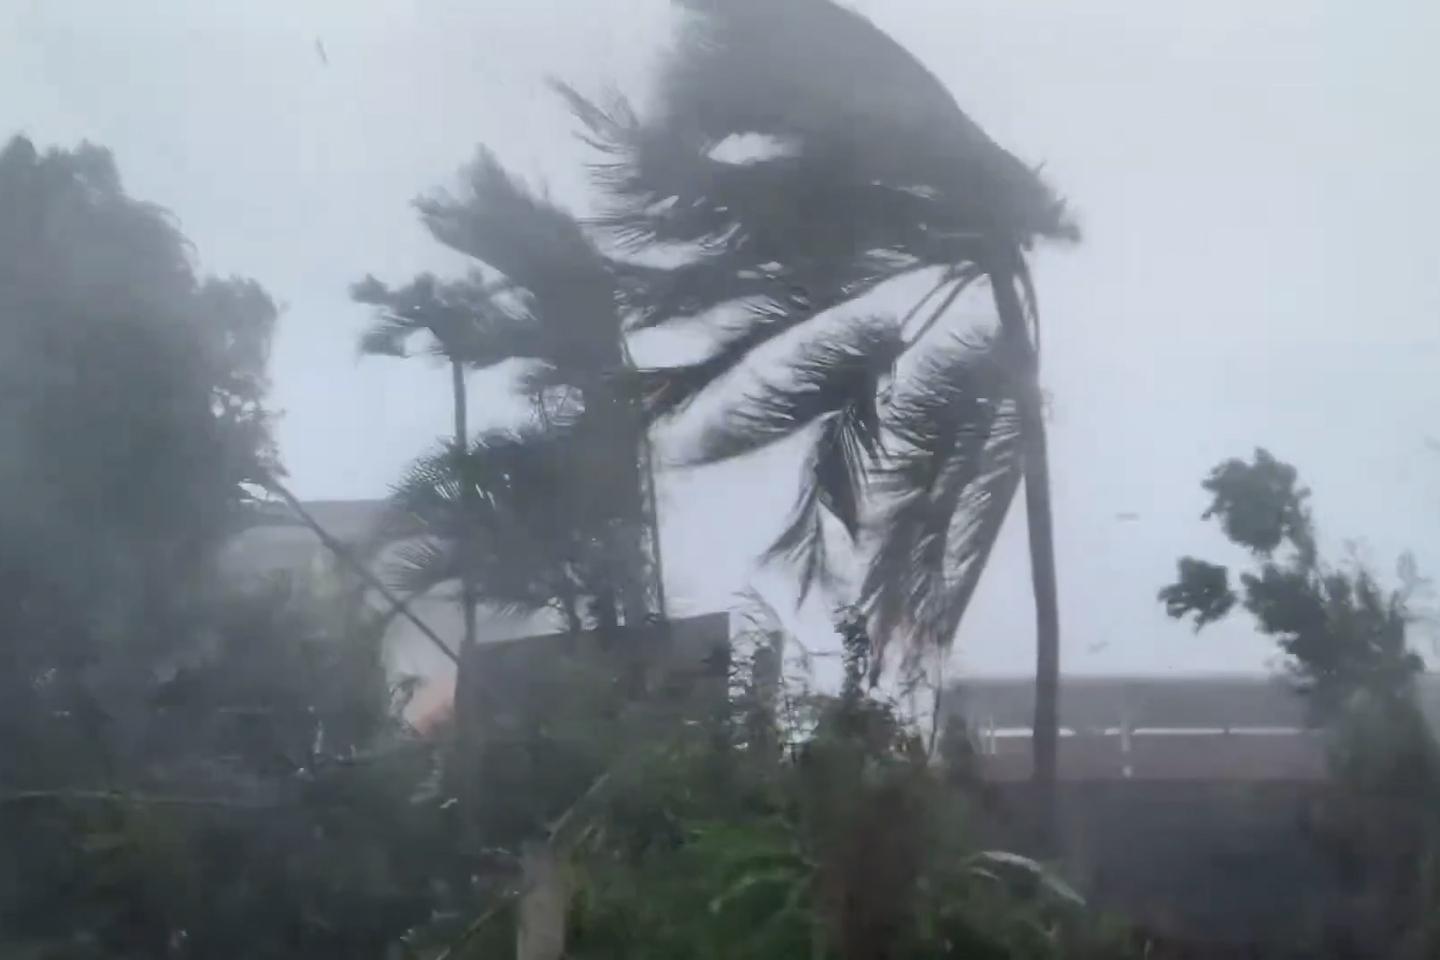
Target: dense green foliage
[(190, 768)]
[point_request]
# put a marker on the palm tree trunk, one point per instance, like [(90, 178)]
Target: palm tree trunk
[(466, 697), (1015, 330), (462, 444)]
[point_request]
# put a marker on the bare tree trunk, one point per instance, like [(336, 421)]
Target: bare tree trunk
[(1015, 330)]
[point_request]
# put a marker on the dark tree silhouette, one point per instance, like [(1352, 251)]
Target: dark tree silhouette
[(1341, 630), (130, 430), (179, 757)]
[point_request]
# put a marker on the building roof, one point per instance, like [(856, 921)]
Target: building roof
[(1105, 702), (1236, 729), (1253, 757)]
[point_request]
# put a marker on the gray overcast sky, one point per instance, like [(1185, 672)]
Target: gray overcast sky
[(1261, 266)]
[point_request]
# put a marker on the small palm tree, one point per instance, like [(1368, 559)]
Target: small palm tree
[(799, 159)]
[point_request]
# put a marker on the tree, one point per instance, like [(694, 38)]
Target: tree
[(1343, 633), (559, 512), (1345, 640), (780, 192), (187, 768), (574, 364), (131, 431), (566, 489)]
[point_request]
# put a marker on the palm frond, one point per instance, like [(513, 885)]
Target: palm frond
[(468, 320), (654, 295), (386, 337), (762, 66), (802, 542), (421, 566), (950, 480), (499, 496), (849, 442), (498, 221), (666, 391), (833, 484), (839, 371), (539, 247), (786, 241), (875, 181)]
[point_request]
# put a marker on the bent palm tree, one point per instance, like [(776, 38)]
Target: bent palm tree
[(782, 191)]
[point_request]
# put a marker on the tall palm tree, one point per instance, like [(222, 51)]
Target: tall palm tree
[(800, 158)]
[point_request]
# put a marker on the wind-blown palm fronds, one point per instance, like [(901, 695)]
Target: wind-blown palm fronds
[(952, 471), (551, 301), (540, 248), (506, 495), (469, 321), (799, 158), (862, 183)]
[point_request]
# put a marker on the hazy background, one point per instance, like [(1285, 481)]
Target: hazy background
[(1257, 183)]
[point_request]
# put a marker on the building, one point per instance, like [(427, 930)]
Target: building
[(1189, 805)]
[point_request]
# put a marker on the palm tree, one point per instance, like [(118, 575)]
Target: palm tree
[(780, 191), (563, 507), (573, 354), (468, 326), (566, 491)]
